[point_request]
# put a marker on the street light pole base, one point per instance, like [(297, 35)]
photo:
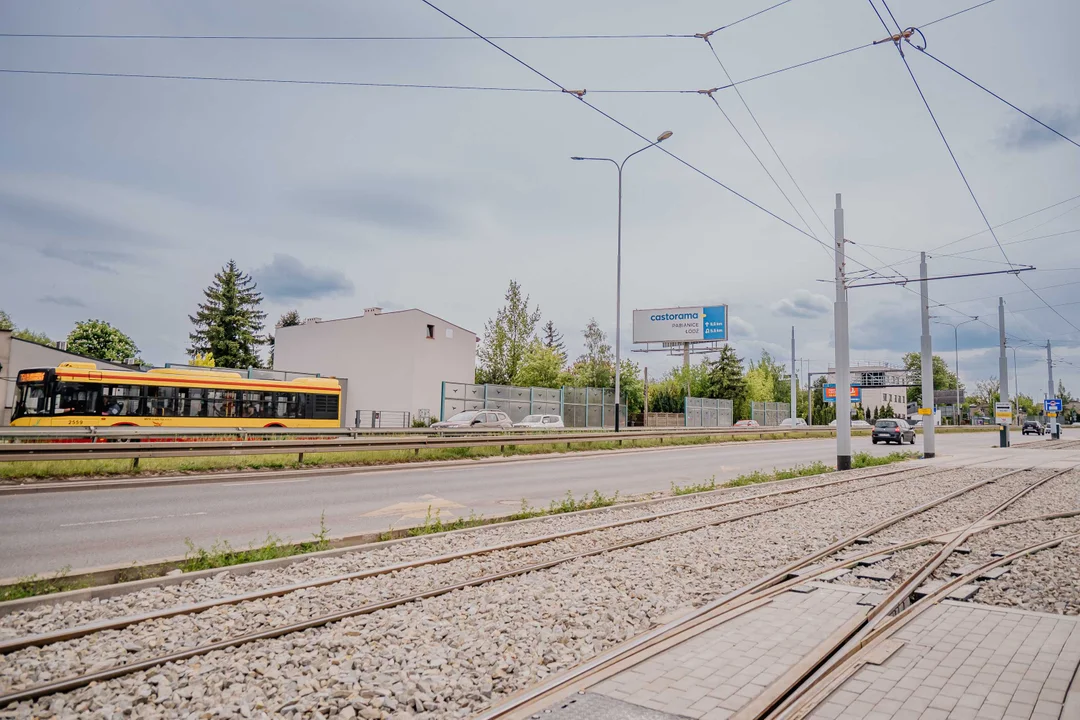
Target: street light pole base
[(843, 462), (616, 417), (928, 455)]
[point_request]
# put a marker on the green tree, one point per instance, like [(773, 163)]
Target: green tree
[(553, 339), (229, 324), (287, 319), (206, 360), (724, 380), (632, 386), (98, 339), (1027, 406), (1064, 394), (542, 366), (506, 338), (6, 323), (596, 366), (944, 378)]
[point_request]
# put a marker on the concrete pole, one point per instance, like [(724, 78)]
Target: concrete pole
[(618, 308), (956, 353), (927, 364), (840, 332), (686, 365), (1055, 429), (794, 379), (1003, 367)]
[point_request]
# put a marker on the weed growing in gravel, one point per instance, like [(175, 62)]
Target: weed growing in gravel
[(32, 585), (222, 554), (865, 459), (816, 468), (434, 524), (704, 486)]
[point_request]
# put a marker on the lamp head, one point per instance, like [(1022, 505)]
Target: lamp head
[(664, 136), (575, 157)]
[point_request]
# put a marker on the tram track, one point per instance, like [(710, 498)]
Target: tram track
[(795, 693), (45, 640), (71, 683)]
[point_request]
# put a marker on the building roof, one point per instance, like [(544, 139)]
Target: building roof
[(390, 312)]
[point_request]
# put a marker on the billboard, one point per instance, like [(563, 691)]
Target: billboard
[(830, 393), (681, 324)]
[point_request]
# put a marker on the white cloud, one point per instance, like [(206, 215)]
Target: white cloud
[(803, 304)]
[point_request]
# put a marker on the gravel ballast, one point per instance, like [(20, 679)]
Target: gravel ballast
[(51, 617), (453, 655)]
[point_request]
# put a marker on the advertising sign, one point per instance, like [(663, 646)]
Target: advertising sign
[(681, 324), (1003, 413), (1052, 405), (830, 393)]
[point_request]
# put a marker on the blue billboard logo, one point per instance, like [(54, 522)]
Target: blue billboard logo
[(714, 322)]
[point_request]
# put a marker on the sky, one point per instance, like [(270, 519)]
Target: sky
[(121, 197)]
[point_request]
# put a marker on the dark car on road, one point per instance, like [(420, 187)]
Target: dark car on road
[(1032, 426), (896, 431)]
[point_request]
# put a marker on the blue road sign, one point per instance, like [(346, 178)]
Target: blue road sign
[(1052, 405), (714, 322)]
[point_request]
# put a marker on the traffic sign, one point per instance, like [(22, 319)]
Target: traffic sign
[(1003, 413), (926, 411), (1052, 405)]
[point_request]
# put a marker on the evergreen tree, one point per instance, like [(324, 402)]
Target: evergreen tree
[(506, 338), (98, 339), (229, 324), (725, 380), (553, 339)]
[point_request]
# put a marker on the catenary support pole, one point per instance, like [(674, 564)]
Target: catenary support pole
[(646, 419), (840, 333), (927, 365), (1003, 368), (1055, 429), (794, 381)]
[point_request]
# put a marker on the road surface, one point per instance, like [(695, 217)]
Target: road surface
[(41, 533)]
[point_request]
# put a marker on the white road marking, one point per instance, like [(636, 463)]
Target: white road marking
[(267, 482), (136, 519)]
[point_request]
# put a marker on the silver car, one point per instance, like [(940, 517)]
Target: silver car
[(476, 419)]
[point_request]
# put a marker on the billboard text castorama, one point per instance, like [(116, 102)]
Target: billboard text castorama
[(681, 324)]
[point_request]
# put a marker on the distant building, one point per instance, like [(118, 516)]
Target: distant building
[(394, 361), (882, 385), (17, 354)]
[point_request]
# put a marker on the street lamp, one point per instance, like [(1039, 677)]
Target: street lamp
[(618, 264), (956, 352)]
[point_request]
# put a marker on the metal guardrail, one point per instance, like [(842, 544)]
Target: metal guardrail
[(42, 446)]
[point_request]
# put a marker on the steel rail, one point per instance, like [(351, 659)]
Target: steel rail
[(774, 583), (787, 692), (43, 639), (74, 682), (639, 649), (815, 695)]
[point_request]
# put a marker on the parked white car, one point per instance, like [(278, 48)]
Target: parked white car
[(798, 422), (540, 421), (855, 424)]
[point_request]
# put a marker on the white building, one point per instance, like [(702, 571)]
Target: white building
[(17, 354), (882, 385), (394, 361)]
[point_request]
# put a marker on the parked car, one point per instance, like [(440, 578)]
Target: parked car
[(540, 421), (481, 419), (896, 431), (1032, 426), (747, 423), (797, 422), (855, 424)]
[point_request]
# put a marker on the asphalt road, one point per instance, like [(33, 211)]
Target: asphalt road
[(41, 533)]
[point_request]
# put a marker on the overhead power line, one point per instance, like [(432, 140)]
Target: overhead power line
[(113, 36), (987, 90), (959, 12)]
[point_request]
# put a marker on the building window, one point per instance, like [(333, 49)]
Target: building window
[(431, 332)]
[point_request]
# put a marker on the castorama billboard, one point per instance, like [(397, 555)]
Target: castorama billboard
[(682, 324)]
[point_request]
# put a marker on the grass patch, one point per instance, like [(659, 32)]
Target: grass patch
[(706, 486), (758, 476), (32, 585), (53, 469), (865, 459), (222, 554)]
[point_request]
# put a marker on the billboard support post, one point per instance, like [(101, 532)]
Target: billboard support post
[(926, 412), (794, 381)]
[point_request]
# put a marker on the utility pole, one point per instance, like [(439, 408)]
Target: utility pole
[(840, 332), (1003, 368), (646, 417), (686, 365), (1055, 429), (794, 380), (927, 409)]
